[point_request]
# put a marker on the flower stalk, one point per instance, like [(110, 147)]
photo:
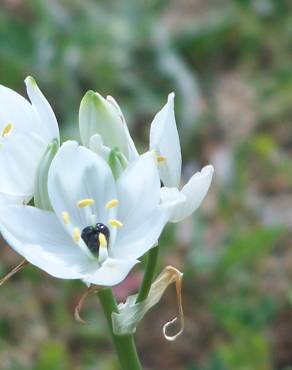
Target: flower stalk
[(149, 274), (124, 344)]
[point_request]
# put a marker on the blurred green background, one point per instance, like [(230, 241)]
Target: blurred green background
[(229, 63)]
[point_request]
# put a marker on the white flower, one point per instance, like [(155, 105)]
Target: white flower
[(99, 226), (164, 140), (25, 131)]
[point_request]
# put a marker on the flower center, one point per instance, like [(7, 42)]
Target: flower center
[(94, 239), (93, 236)]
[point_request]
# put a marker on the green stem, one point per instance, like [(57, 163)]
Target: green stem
[(149, 274), (124, 344)]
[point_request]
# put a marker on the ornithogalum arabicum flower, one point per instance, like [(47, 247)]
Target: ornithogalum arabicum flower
[(25, 132), (164, 140), (164, 143), (98, 227), (96, 208)]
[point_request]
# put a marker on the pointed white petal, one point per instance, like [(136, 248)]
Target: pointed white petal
[(164, 140), (38, 236), (19, 156), (43, 110), (112, 272), (194, 191), (139, 211), (132, 151), (22, 118), (76, 173)]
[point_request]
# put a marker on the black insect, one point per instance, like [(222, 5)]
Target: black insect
[(90, 236)]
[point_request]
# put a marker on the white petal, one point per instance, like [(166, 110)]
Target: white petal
[(112, 272), (139, 211), (38, 236), (19, 156), (43, 110), (16, 110), (194, 191), (76, 173), (172, 199), (132, 151), (164, 140), (138, 189), (136, 238)]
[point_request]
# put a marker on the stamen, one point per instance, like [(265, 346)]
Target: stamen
[(112, 203), (115, 223), (102, 240), (65, 217), (85, 202), (160, 158), (6, 130), (76, 234)]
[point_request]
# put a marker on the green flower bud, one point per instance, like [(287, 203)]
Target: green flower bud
[(98, 116)]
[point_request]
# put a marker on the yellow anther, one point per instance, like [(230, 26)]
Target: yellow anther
[(6, 130), (76, 234), (65, 217), (85, 202), (112, 203), (115, 223), (160, 158), (102, 240)]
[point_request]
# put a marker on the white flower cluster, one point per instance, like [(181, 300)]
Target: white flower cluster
[(88, 211)]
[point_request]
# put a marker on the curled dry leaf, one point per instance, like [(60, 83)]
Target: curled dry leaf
[(131, 313), (178, 282)]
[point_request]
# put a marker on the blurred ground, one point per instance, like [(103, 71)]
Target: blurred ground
[(229, 63)]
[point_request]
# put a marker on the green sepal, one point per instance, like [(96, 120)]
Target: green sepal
[(41, 195), (117, 162)]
